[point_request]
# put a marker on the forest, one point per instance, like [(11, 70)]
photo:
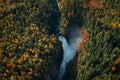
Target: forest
[(30, 50)]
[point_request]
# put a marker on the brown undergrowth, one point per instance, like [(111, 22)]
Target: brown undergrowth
[(81, 46), (94, 3)]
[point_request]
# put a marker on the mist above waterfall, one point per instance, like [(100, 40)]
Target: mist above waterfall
[(69, 48)]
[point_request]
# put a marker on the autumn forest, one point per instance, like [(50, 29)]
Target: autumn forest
[(30, 49)]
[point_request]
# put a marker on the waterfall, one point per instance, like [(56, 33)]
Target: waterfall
[(69, 51)]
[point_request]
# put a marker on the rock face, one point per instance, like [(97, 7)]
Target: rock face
[(72, 32)]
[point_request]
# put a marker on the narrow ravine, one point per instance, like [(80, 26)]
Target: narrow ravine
[(69, 49)]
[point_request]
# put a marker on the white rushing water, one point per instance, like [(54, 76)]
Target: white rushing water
[(69, 52)]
